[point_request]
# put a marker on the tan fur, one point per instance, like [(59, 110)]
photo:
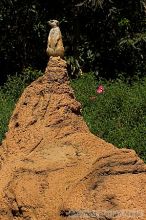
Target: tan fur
[(55, 44)]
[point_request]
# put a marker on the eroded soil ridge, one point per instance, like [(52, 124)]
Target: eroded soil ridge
[(53, 168)]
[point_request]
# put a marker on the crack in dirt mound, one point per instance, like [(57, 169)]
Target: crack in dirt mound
[(53, 168)]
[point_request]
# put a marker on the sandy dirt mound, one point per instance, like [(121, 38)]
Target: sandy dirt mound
[(53, 168)]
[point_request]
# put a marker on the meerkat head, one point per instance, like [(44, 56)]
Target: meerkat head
[(53, 23)]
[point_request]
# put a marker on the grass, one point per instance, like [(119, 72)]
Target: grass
[(118, 115), (6, 106)]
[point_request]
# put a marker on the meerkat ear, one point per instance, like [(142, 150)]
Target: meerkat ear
[(57, 23)]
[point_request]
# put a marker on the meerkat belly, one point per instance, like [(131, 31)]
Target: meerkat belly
[(54, 37)]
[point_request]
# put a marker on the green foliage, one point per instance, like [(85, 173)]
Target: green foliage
[(74, 68), (16, 84), (6, 106), (118, 115), (124, 27), (93, 4), (98, 40), (23, 36), (29, 75), (132, 51), (92, 34)]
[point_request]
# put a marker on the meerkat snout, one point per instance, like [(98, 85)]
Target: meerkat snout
[(53, 23)]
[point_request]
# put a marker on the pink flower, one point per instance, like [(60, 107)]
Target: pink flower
[(100, 89)]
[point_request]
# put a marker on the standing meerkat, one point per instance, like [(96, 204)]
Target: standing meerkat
[(55, 44)]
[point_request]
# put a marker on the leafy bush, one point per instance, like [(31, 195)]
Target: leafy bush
[(91, 33), (132, 55), (16, 84), (118, 115)]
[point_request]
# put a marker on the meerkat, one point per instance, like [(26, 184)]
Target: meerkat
[(55, 44)]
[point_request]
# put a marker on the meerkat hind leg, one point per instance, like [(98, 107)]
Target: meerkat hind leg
[(50, 51)]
